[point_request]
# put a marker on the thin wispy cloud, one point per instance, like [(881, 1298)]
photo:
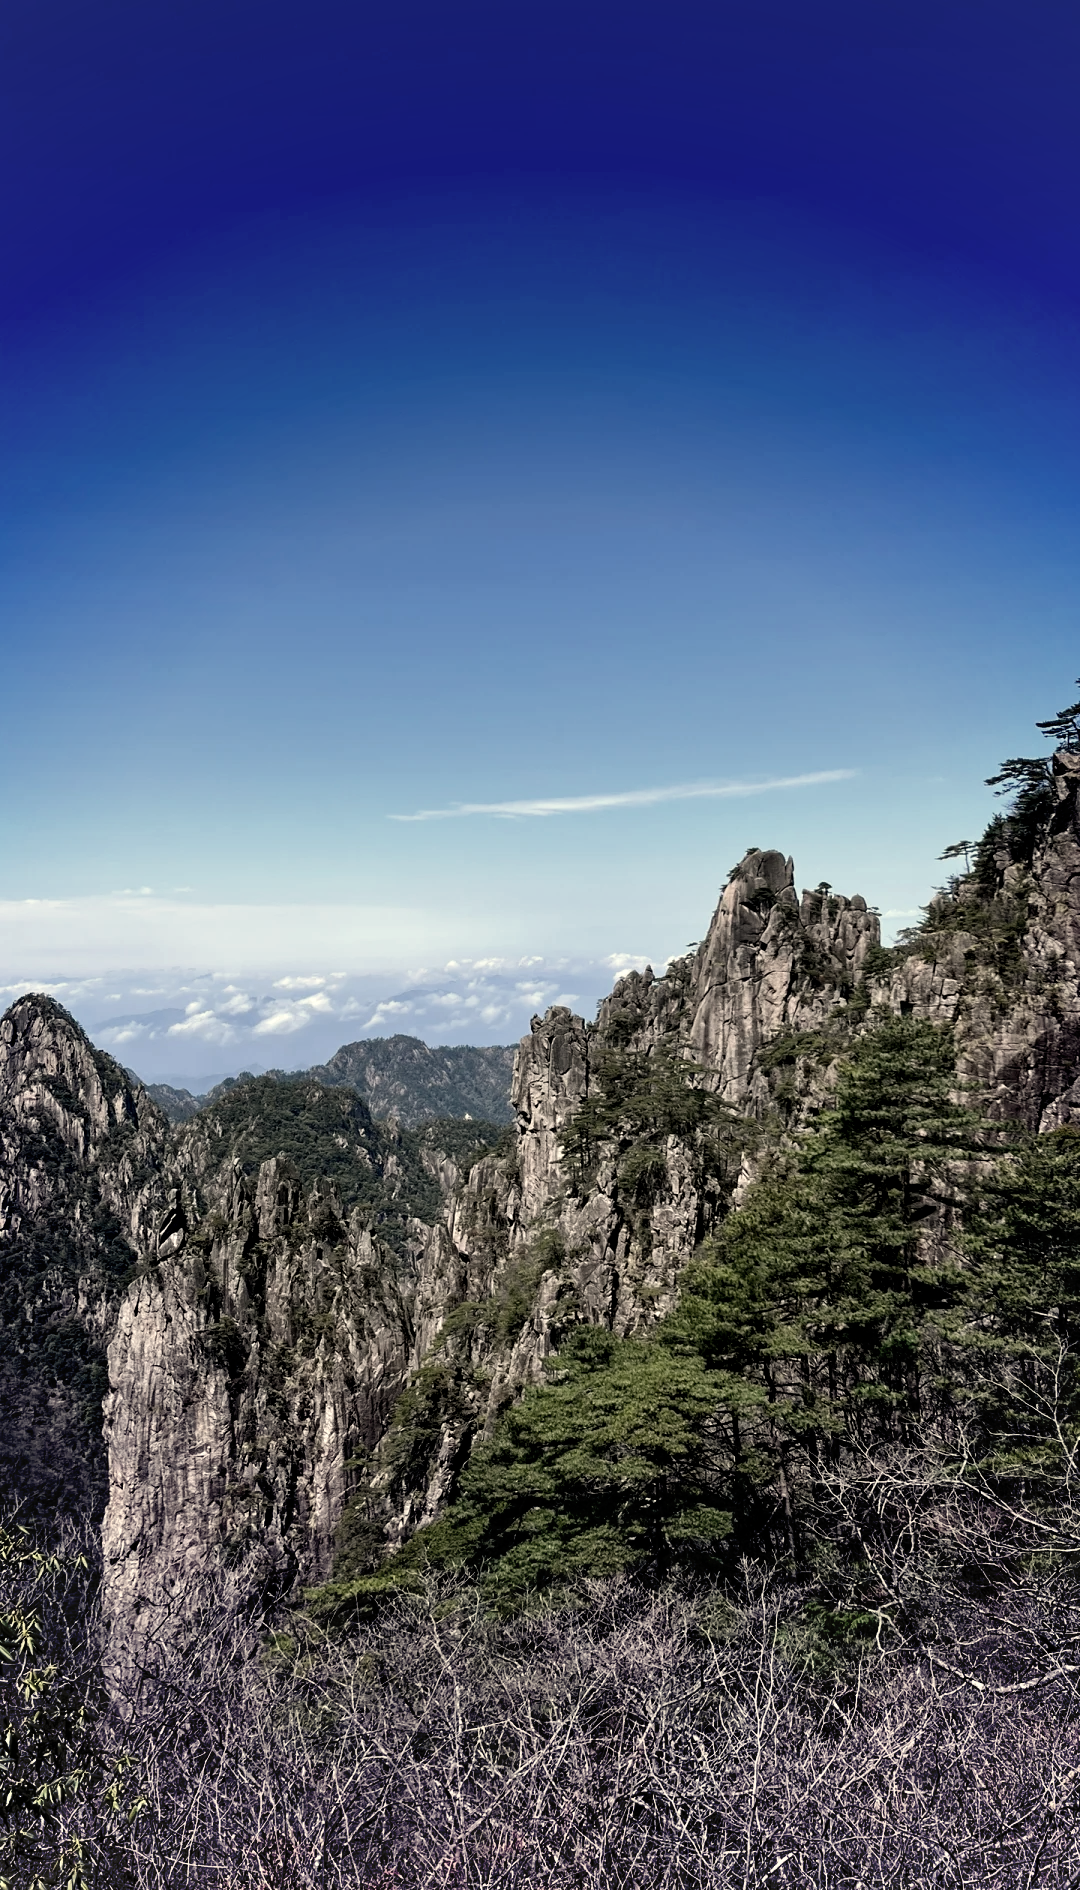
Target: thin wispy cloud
[(633, 797)]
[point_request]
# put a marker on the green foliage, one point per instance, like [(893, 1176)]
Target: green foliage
[(328, 1134), (880, 961), (515, 1297), (614, 1465), (1028, 779), (643, 1098), (1017, 1325), (225, 1345), (992, 927), (440, 1396), (465, 1141), (52, 1766), (820, 1047), (1063, 729), (513, 1301), (975, 901), (815, 1292)]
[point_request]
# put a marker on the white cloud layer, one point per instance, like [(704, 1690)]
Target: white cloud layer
[(633, 797), (194, 1028), (83, 936)]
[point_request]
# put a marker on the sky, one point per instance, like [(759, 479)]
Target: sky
[(467, 474)]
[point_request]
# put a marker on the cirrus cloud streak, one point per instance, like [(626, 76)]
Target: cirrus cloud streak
[(633, 797)]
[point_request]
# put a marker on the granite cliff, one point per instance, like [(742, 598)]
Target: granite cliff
[(82, 1161), (302, 1352)]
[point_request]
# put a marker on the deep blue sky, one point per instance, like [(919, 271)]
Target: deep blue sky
[(407, 408)]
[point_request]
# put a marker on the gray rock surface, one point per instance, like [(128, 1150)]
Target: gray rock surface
[(82, 1150)]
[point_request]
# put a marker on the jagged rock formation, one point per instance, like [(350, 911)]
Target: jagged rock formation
[(772, 965), (1001, 963), (304, 1362), (81, 1183)]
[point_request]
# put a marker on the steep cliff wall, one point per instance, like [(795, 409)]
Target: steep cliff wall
[(81, 1187), (999, 960), (250, 1369)]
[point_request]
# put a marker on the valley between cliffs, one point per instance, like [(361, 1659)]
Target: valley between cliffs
[(309, 1316)]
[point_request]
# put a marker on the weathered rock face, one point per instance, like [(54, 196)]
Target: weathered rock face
[(1003, 969), (772, 965), (250, 1368), (551, 1081), (61, 1098), (81, 1156)]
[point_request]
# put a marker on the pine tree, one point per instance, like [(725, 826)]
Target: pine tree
[(1064, 727), (819, 1291), (1017, 1328), (618, 1464)]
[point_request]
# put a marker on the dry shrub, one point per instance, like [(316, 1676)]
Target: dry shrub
[(911, 1718), (632, 1742)]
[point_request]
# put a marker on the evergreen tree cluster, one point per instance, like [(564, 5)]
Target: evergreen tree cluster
[(907, 1276)]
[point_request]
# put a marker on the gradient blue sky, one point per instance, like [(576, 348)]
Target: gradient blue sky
[(407, 409)]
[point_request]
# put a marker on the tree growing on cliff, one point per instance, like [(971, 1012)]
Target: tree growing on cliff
[(818, 1291), (1029, 780), (800, 1335), (1063, 729)]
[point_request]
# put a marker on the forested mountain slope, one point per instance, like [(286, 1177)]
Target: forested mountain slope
[(395, 1076), (417, 1082), (330, 1322)]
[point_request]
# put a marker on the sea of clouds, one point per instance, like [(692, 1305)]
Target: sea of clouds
[(194, 1028)]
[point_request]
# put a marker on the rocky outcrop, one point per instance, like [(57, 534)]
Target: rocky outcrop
[(81, 1166), (1001, 965), (551, 1081), (251, 1370), (772, 965), (66, 1111)]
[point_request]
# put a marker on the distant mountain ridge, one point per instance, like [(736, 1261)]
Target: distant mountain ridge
[(396, 1076), (403, 1077), (177, 1105)]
